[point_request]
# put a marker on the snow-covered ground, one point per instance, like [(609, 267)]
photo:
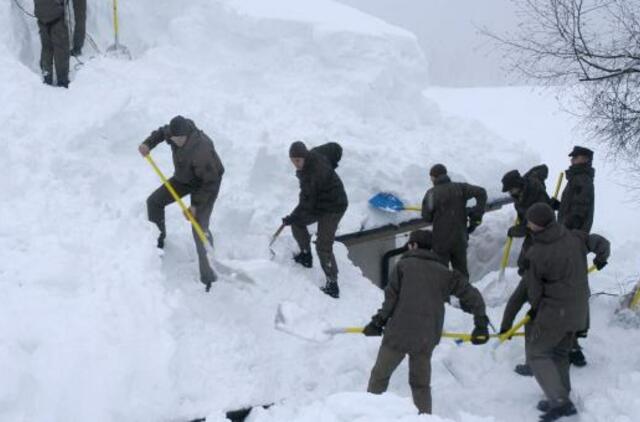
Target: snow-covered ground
[(94, 325)]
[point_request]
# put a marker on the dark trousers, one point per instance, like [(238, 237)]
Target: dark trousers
[(161, 197), (80, 28), (457, 257), (327, 227), (54, 37), (419, 375), (547, 354)]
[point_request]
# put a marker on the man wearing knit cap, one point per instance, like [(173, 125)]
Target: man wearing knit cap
[(556, 286), (445, 205), (412, 317), (198, 173), (576, 210), (322, 200), (525, 190)]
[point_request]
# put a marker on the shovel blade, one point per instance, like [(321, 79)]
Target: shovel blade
[(386, 201)]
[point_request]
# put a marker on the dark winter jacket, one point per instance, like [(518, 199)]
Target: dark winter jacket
[(321, 190), (48, 11), (445, 205), (196, 163), (533, 191), (578, 198), (414, 301), (556, 280)]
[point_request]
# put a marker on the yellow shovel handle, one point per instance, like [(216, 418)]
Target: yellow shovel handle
[(174, 194), (512, 332), (558, 185), (413, 208), (635, 302)]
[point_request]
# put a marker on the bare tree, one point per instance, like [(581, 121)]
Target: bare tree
[(593, 46)]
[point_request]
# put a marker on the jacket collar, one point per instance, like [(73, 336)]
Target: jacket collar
[(578, 169), (441, 180), (550, 234), (425, 254)]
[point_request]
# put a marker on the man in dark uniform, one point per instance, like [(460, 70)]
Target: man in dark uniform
[(412, 317), (445, 205), (198, 172), (575, 211), (557, 288), (525, 190), (54, 36), (80, 27), (322, 200)]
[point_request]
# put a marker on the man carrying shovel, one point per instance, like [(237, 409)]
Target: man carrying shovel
[(412, 317), (322, 200), (556, 286), (198, 172)]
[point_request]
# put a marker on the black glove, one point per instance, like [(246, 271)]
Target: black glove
[(472, 226), (599, 264), (517, 231), (374, 328), (480, 334), (554, 203), (532, 314), (288, 220)]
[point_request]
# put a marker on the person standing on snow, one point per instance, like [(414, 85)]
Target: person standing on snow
[(575, 211), (80, 27), (557, 288), (525, 190), (412, 317), (198, 172), (322, 200), (445, 205), (54, 37)]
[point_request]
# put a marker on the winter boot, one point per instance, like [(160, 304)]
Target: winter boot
[(524, 370), (543, 406), (304, 258), (331, 288), (556, 412), (161, 240), (47, 80), (208, 282), (576, 357), (75, 52), (63, 84)]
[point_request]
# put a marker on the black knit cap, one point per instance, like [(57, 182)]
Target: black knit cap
[(179, 126), (541, 214), (298, 150), (512, 179), (438, 170), (423, 238), (578, 151)]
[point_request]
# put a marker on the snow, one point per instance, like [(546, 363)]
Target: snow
[(95, 325)]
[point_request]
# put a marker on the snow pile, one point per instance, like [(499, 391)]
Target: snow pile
[(94, 325)]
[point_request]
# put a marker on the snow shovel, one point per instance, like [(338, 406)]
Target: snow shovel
[(273, 240), (198, 229), (117, 49), (388, 202), (458, 337), (512, 332)]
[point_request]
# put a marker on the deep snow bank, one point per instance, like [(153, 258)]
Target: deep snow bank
[(93, 324)]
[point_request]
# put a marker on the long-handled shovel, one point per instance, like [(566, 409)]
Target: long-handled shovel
[(198, 229), (273, 240), (388, 202), (117, 49), (458, 337)]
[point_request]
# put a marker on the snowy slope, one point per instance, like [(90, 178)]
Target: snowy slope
[(94, 325)]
